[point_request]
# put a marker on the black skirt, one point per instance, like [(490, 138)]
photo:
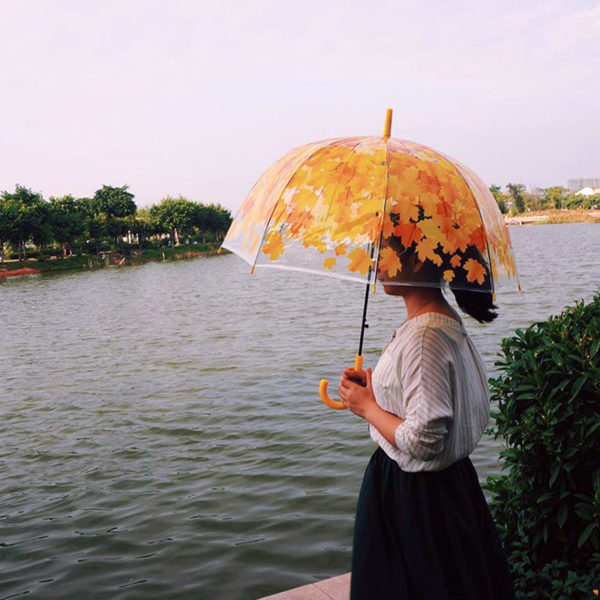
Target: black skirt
[(425, 536)]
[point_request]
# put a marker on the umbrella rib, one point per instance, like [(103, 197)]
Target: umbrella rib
[(383, 212), (457, 170), (337, 184)]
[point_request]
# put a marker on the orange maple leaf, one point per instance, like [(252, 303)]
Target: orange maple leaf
[(426, 250), (389, 261), (340, 249), (477, 239), (458, 237), (299, 220), (455, 261), (360, 261), (405, 209), (273, 245), (475, 271), (408, 233), (329, 262), (448, 274), (428, 202)]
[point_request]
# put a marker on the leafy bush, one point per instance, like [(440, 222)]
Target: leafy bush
[(547, 504)]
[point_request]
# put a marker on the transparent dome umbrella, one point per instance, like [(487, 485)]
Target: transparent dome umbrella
[(370, 209)]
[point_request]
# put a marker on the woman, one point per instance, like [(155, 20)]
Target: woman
[(423, 529)]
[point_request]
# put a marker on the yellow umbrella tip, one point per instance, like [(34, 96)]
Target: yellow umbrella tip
[(387, 129)]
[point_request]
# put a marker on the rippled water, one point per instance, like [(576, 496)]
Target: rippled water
[(160, 430)]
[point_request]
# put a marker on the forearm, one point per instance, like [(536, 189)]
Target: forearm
[(386, 423)]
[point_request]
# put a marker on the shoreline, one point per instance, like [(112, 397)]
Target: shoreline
[(553, 217), (80, 262)]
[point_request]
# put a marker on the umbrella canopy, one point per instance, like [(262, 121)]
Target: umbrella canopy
[(374, 208), (367, 208)]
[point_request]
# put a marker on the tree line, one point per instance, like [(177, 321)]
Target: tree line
[(108, 221), (516, 199)]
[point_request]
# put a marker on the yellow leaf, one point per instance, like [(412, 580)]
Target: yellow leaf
[(389, 261), (360, 261), (425, 250), (428, 202), (431, 231), (329, 262), (273, 245), (304, 199), (406, 209)]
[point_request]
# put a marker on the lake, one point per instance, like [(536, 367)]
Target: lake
[(161, 433)]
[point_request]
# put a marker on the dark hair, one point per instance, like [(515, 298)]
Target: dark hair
[(472, 298), (479, 305)]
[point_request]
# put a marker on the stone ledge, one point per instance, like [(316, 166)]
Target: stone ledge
[(336, 588)]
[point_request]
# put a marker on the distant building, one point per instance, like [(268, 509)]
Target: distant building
[(577, 184), (588, 191)]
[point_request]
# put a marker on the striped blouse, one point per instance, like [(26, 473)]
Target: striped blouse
[(432, 375)]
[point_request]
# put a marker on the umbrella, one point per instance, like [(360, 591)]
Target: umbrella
[(370, 209)]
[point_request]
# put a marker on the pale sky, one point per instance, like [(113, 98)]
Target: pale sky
[(199, 97)]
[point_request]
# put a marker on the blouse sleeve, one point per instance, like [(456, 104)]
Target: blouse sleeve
[(426, 374)]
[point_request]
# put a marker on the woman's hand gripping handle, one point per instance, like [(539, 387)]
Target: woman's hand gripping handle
[(356, 374)]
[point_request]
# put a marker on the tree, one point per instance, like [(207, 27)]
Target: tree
[(29, 215), (117, 204), (500, 198), (554, 197), (516, 191), (176, 215), (144, 225), (8, 217), (66, 221)]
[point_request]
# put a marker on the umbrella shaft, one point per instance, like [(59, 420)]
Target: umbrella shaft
[(364, 321)]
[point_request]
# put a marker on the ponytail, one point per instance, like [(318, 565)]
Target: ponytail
[(479, 305)]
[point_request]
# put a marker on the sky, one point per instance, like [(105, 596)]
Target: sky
[(198, 97)]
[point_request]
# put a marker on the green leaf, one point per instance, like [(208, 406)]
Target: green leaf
[(586, 534), (592, 429), (555, 474), (545, 496), (594, 348), (562, 515), (578, 385)]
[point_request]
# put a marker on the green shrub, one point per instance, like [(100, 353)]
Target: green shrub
[(547, 503)]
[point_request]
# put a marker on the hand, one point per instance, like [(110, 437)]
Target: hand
[(359, 377), (359, 399)]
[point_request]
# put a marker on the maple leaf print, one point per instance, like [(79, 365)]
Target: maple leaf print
[(455, 261), (426, 250), (273, 245), (360, 261), (389, 261), (477, 239), (408, 233), (475, 271)]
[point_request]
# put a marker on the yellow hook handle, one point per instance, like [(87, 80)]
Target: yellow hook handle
[(338, 404)]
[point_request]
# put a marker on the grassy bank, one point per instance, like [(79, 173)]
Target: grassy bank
[(113, 259), (555, 216)]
